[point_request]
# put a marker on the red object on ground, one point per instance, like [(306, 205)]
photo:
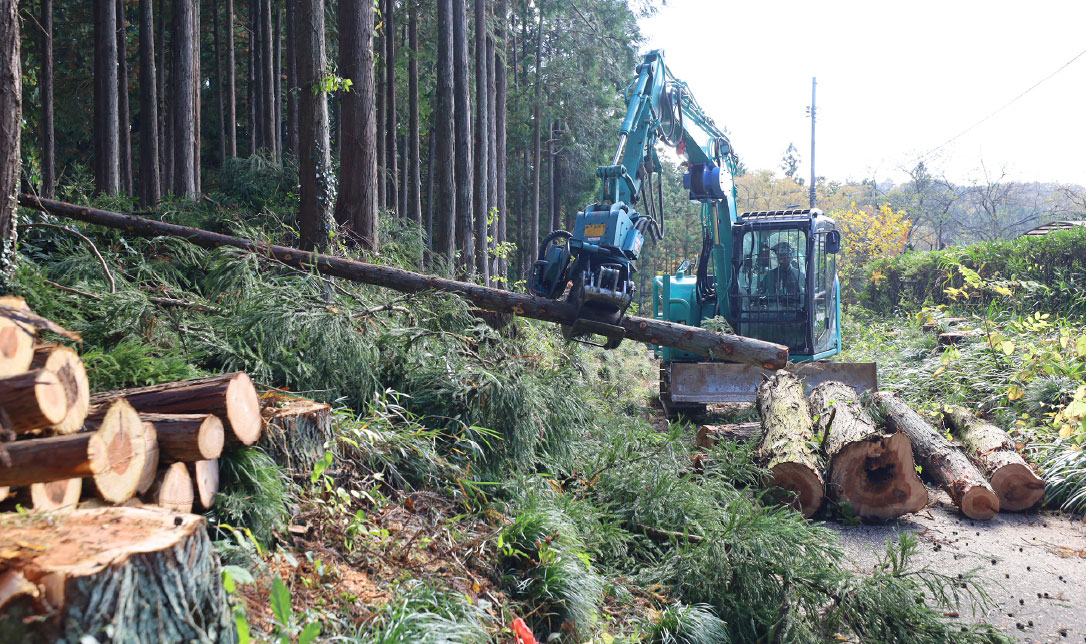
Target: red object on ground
[(521, 633)]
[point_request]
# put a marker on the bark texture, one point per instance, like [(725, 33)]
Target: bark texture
[(392, 174), (870, 470), (480, 189), (146, 576), (124, 118), (187, 438), (48, 145), (57, 458), (942, 461), (1018, 486), (295, 431), (462, 99), (413, 205), (33, 400), (150, 175), (314, 160), (183, 100), (788, 445), (444, 228), (107, 161), (695, 340)]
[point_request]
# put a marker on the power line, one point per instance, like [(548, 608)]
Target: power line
[(998, 110)]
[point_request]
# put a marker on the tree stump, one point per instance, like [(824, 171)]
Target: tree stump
[(1018, 486), (172, 489), (232, 397), (68, 367), (33, 400), (138, 575), (788, 445), (870, 470), (16, 340), (945, 462), (187, 438), (295, 430)]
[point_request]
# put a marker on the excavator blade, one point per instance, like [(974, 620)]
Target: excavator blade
[(699, 383)]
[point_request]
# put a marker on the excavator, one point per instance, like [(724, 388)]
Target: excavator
[(769, 275)]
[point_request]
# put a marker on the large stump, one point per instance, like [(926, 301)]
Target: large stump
[(295, 430), (942, 460), (871, 470), (68, 367), (116, 574), (788, 445), (232, 397), (1018, 486)]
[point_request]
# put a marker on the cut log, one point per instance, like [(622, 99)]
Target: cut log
[(1018, 486), (187, 438), (68, 367), (943, 461), (4, 492), (692, 339), (138, 575), (295, 431), (122, 432), (43, 460), (957, 337), (788, 446), (232, 397), (56, 495), (205, 478), (33, 400), (943, 323), (709, 435), (150, 462), (16, 340), (172, 489), (870, 470)]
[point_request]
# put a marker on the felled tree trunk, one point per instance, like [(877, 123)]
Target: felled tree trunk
[(33, 400), (16, 341), (710, 435), (870, 470), (122, 432), (788, 442), (232, 397), (172, 489), (942, 460), (1018, 486), (44, 460), (139, 575), (187, 438), (68, 367), (295, 431)]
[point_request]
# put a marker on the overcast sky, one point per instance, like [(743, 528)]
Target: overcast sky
[(895, 81)]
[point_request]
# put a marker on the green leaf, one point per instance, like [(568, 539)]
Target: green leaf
[(228, 582), (237, 574), (242, 624), (309, 633), (280, 601), (1080, 346)]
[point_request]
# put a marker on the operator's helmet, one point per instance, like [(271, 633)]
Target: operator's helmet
[(783, 251)]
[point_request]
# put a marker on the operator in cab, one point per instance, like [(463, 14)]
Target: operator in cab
[(786, 279)]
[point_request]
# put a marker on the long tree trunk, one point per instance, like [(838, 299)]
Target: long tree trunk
[(392, 171), (430, 154), (267, 72), (219, 93), (292, 79), (48, 146), (356, 205), (491, 227), (1018, 486), (314, 159), (695, 340), (107, 161), (165, 128), (444, 243), (380, 88), (500, 136), (197, 79), (413, 207), (256, 141), (150, 174), (870, 470), (124, 127), (183, 80), (479, 186), (231, 85), (940, 460), (11, 105), (464, 181), (537, 150), (788, 440), (277, 82)]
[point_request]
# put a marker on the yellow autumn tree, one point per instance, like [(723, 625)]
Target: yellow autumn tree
[(867, 234)]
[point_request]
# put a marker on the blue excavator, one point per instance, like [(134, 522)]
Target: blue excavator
[(769, 275)]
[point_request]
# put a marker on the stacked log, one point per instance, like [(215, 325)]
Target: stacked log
[(941, 460), (1018, 486), (871, 470), (788, 446)]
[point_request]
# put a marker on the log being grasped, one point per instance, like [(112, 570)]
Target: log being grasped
[(788, 445), (33, 400), (139, 575), (945, 462), (1018, 486), (68, 367), (869, 469), (232, 397), (680, 336)]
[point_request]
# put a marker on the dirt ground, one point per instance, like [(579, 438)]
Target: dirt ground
[(1033, 563)]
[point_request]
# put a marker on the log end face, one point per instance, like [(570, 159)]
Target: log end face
[(69, 369), (211, 437), (801, 487), (56, 495), (878, 478), (51, 399), (1018, 487), (243, 409), (979, 503), (122, 432)]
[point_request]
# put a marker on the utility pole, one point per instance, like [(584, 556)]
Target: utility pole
[(812, 111)]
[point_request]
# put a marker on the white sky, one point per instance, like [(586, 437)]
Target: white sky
[(895, 80)]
